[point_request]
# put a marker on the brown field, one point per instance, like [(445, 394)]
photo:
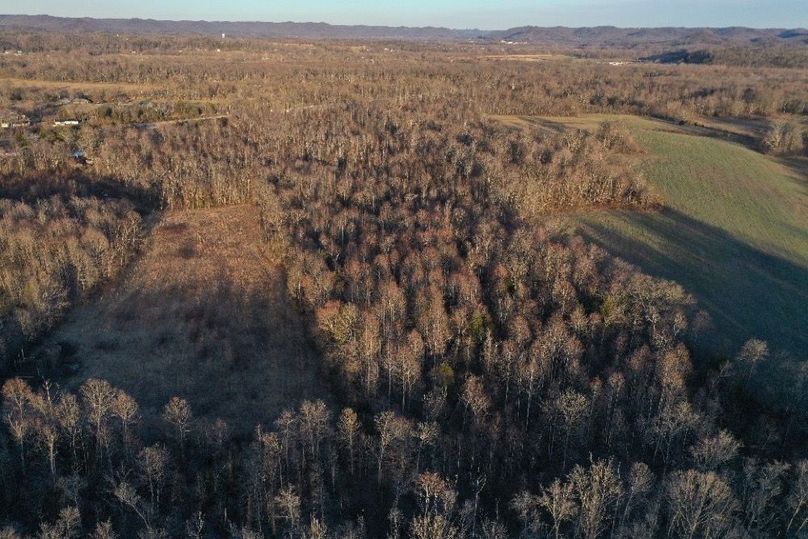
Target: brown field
[(78, 86), (204, 315), (526, 57)]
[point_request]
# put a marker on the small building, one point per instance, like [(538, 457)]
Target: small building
[(61, 123)]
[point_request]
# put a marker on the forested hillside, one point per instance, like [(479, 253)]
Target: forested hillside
[(274, 289)]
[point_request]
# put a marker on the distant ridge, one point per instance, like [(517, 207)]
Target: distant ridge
[(602, 36), (306, 30), (605, 36)]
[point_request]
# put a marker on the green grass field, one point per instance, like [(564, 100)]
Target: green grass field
[(734, 230)]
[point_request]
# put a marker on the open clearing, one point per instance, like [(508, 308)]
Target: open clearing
[(138, 88), (734, 230), (203, 315), (527, 57)]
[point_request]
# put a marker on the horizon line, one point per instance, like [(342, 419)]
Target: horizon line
[(428, 26)]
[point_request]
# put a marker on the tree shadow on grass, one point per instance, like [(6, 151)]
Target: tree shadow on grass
[(75, 182), (233, 354), (203, 314), (747, 292)]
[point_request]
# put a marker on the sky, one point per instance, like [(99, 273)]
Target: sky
[(482, 14)]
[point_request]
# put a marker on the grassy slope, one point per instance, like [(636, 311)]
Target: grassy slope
[(734, 231)]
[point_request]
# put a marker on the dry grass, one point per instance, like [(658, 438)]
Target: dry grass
[(203, 315), (137, 88), (559, 124), (527, 57)]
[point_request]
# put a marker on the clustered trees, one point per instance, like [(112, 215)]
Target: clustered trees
[(80, 464), (764, 56), (54, 250), (491, 378), (537, 357), (785, 138), (295, 74)]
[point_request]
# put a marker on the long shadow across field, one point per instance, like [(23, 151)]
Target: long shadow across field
[(203, 314), (748, 293), (234, 354), (77, 182)]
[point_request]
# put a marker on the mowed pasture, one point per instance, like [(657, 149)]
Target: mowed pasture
[(204, 315), (733, 229)]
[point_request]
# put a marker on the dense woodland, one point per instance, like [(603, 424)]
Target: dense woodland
[(491, 378)]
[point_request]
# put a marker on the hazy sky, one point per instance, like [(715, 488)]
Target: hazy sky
[(484, 14)]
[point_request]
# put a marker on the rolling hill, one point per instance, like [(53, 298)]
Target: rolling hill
[(732, 230), (243, 29), (610, 36), (563, 37)]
